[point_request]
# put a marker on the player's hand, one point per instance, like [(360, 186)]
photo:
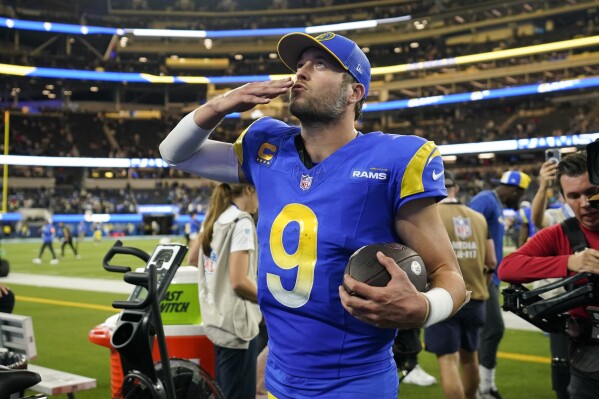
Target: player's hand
[(249, 95), (584, 261), (547, 174), (3, 290), (398, 305)]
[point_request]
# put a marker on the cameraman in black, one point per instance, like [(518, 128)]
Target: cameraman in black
[(548, 254)]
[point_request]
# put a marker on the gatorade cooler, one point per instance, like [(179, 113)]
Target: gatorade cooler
[(100, 335), (184, 333), (181, 304)]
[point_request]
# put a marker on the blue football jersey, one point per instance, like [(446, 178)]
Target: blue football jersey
[(311, 221)]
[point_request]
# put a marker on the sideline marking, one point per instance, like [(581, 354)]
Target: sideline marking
[(524, 358), (503, 355), (65, 303)]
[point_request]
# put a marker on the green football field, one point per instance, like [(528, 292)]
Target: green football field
[(62, 319)]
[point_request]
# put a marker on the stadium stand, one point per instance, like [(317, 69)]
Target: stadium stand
[(63, 117)]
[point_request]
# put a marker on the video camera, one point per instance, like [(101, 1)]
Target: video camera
[(582, 289), (550, 314), (593, 168)]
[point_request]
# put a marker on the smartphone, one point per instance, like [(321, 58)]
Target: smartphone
[(553, 154)]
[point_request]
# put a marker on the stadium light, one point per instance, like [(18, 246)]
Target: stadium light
[(537, 143), (73, 29)]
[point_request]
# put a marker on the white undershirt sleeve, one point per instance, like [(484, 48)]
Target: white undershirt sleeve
[(188, 148)]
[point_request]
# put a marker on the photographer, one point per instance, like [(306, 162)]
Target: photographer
[(548, 254)]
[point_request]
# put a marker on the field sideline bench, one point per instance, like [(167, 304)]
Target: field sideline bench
[(16, 334)]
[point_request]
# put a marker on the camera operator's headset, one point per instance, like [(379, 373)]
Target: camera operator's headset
[(550, 314)]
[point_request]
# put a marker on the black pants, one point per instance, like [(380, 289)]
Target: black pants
[(583, 385), (64, 244), (49, 246), (236, 371), (560, 365), (492, 331), (406, 347), (7, 302)]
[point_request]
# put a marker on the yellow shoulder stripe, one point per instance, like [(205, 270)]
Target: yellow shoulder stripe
[(411, 182), (237, 146), (523, 216)]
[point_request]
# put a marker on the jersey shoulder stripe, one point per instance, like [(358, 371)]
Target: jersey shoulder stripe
[(412, 181), (238, 145)]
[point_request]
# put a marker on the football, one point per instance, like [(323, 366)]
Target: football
[(364, 266)]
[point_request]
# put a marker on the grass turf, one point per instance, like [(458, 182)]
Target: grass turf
[(61, 329)]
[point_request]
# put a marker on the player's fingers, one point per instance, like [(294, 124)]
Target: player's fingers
[(394, 270), (271, 87), (253, 99), (284, 82), (356, 287), (352, 303), (287, 81), (344, 297)]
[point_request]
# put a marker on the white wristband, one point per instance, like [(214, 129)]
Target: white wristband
[(440, 305)]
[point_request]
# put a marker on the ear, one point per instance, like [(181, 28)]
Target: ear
[(358, 91)]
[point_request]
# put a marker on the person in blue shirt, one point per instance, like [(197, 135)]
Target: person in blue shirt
[(527, 227), (325, 190), (48, 231), (194, 227), (491, 203)]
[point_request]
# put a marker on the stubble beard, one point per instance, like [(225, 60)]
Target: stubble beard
[(322, 111)]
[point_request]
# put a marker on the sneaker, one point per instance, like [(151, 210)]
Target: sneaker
[(54, 262), (490, 394), (419, 377), (37, 261)]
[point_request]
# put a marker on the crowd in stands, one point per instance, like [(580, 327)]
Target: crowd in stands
[(92, 135), (433, 48), (112, 201), (75, 134), (86, 135), (72, 201)]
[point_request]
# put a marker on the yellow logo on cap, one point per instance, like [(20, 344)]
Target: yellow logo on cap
[(325, 36)]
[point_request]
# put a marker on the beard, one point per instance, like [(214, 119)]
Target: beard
[(324, 110)]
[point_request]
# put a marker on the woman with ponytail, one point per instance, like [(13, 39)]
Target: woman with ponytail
[(227, 266)]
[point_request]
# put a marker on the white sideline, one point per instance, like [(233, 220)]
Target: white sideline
[(120, 287), (73, 283)]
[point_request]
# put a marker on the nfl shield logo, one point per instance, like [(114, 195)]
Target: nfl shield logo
[(306, 182), (461, 227)]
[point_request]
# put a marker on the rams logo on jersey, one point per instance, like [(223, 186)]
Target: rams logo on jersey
[(266, 153), (372, 174)]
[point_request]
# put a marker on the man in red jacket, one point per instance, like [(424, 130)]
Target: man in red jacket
[(549, 254)]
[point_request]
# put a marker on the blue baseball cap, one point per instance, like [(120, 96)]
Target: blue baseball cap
[(515, 178), (346, 52)]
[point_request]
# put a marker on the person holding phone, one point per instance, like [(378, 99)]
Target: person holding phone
[(543, 217), (553, 155)]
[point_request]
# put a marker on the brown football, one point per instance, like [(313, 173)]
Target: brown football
[(364, 266)]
